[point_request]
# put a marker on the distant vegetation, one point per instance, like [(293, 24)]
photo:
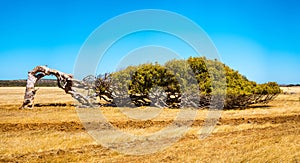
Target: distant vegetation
[(289, 85), (22, 83), (176, 76)]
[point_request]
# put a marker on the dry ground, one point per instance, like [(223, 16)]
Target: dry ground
[(263, 133)]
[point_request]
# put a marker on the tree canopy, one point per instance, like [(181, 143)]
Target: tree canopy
[(195, 81)]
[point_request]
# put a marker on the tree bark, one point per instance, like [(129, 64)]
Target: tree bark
[(64, 81)]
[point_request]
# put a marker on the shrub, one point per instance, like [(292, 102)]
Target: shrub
[(195, 81)]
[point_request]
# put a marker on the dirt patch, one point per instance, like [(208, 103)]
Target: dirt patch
[(260, 120), (97, 149), (58, 126), (77, 126), (53, 104)]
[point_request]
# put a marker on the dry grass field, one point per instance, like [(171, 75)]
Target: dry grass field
[(54, 133)]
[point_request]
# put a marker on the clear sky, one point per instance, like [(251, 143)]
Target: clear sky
[(259, 38)]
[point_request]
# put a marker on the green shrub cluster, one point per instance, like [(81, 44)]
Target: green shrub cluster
[(196, 81)]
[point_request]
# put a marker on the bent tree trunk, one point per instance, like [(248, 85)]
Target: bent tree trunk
[(64, 81)]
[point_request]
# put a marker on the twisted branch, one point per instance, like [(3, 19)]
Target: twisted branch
[(64, 81)]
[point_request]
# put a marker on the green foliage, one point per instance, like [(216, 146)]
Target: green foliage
[(184, 75), (206, 78), (148, 76), (122, 79)]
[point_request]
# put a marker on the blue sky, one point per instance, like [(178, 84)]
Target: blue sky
[(258, 38)]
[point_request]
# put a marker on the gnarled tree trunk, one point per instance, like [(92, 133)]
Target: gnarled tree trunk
[(64, 81)]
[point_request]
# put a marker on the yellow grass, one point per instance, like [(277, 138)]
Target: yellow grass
[(38, 141), (266, 133)]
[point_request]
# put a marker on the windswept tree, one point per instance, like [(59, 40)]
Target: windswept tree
[(195, 82)]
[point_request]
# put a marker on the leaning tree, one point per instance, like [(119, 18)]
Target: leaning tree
[(64, 81), (194, 82)]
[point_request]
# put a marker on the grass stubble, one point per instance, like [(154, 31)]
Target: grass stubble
[(266, 133)]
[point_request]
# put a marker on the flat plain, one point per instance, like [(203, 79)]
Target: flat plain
[(53, 132)]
